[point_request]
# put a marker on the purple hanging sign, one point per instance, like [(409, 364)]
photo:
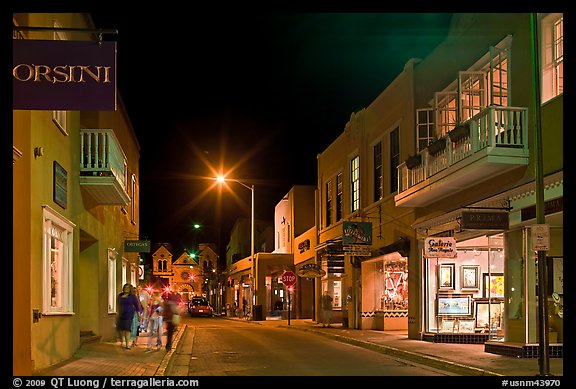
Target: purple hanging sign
[(63, 75)]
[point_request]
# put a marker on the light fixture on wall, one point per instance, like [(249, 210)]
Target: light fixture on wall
[(38, 151)]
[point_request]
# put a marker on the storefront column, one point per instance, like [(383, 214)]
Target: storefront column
[(353, 291)]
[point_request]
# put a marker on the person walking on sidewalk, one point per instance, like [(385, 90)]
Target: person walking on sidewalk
[(135, 330), (171, 315), (326, 309), (128, 305), (144, 298), (155, 320)]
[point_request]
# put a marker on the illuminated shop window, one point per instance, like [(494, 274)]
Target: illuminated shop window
[(57, 258)]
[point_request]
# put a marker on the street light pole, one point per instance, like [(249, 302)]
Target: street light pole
[(252, 241)]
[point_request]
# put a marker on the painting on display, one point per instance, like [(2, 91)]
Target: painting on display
[(489, 314), (470, 277), (454, 305), (446, 276), (493, 285)]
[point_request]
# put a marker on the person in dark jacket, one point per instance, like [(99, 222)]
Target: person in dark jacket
[(128, 306)]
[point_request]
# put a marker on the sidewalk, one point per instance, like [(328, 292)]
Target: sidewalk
[(111, 359), (462, 359)]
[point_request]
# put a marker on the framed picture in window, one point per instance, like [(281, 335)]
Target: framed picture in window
[(470, 277), (489, 314), (447, 325), (466, 326), (454, 305), (446, 276), (493, 285)]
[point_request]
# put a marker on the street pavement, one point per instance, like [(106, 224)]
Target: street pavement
[(112, 359)]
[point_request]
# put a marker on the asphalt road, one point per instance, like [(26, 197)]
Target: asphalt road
[(221, 347)]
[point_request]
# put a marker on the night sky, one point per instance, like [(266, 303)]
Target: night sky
[(261, 94)]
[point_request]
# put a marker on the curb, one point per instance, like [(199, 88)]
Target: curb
[(161, 370), (407, 355)]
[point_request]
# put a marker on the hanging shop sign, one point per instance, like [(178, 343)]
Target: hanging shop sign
[(357, 250), (304, 246), (63, 75), (484, 220), (137, 246), (440, 247), (356, 232), (335, 265), (311, 270)]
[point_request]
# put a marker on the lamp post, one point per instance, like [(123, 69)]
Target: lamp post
[(222, 179)]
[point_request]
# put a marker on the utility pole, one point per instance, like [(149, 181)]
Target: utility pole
[(543, 341)]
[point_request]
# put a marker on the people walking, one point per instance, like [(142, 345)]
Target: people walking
[(326, 309), (171, 315), (135, 330), (155, 320), (128, 305), (144, 299)]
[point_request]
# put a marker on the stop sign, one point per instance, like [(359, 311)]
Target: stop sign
[(288, 278)]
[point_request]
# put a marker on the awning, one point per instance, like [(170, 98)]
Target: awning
[(402, 246)]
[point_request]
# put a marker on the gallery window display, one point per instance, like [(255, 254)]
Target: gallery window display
[(332, 283), (465, 292), (389, 276)]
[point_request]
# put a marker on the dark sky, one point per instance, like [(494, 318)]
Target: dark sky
[(260, 93)]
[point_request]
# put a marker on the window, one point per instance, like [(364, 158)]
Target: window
[(133, 203), (378, 188), (59, 117), (124, 274), (355, 183), (339, 198), (558, 56), (498, 76), (133, 274), (394, 159), (112, 255), (552, 57), (445, 103), (329, 203), (57, 258), (425, 127), (472, 93)]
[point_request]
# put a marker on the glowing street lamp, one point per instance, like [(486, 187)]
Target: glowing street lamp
[(222, 179)]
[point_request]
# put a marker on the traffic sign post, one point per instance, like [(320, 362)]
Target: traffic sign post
[(289, 279)]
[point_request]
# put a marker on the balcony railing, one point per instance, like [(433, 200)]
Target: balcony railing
[(103, 166), (496, 142)]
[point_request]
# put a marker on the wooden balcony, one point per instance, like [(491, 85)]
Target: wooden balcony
[(103, 167), (491, 143)]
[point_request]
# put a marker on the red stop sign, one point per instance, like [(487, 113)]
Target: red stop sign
[(288, 278)]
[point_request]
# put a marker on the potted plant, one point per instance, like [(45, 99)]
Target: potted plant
[(414, 161), (460, 132), (436, 146)]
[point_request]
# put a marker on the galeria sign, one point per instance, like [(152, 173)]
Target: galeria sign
[(440, 247)]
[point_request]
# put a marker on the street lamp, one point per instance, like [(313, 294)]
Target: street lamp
[(222, 179)]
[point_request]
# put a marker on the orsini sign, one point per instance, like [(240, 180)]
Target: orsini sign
[(63, 75)]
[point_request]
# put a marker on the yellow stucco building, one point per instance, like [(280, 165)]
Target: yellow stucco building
[(75, 202)]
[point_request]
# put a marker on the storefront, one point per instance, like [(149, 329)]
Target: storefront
[(480, 272), (464, 289), (385, 292)]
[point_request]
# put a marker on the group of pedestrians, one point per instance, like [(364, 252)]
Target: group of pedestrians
[(140, 312)]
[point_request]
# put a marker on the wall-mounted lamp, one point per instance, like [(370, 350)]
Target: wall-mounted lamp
[(38, 151)]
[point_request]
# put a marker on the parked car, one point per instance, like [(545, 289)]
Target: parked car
[(199, 306)]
